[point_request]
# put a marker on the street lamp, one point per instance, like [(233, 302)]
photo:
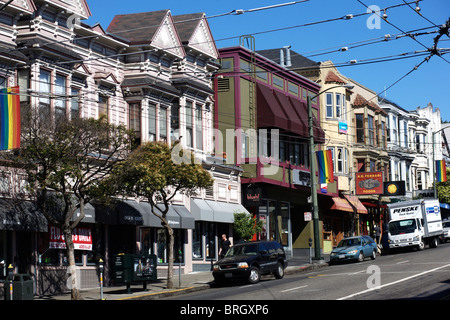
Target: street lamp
[(434, 162), (312, 162)]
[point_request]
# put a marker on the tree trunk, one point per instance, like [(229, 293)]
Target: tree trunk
[(170, 258), (72, 280)]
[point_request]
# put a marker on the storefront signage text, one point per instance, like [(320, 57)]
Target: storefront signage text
[(369, 183), (82, 238)]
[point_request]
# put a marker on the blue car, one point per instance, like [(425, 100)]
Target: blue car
[(354, 249)]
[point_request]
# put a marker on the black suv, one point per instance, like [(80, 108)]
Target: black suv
[(249, 260)]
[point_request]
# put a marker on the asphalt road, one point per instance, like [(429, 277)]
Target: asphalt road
[(422, 275)]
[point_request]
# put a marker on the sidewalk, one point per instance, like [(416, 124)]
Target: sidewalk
[(190, 282)]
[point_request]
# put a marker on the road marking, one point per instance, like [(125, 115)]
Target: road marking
[(292, 289), (403, 262), (392, 283)]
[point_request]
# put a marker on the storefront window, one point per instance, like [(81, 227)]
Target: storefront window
[(210, 240), (51, 257), (272, 211), (163, 242), (162, 246), (197, 241), (147, 247), (283, 224)]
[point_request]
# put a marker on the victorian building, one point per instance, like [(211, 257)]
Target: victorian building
[(150, 71)]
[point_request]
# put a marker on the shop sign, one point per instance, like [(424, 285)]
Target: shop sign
[(253, 197), (301, 178), (82, 238), (308, 216), (394, 188), (368, 183), (342, 127)]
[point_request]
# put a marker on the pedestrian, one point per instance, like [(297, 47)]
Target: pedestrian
[(377, 234), (224, 246)]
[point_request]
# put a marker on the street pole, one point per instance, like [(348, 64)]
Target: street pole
[(434, 167), (312, 165)]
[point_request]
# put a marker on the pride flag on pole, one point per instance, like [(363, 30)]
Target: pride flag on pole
[(325, 166), (9, 118), (441, 171)]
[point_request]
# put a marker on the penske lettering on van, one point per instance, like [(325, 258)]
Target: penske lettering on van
[(405, 210)]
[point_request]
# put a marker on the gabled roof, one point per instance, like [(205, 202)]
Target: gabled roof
[(195, 33), (332, 77), (154, 28), (137, 27), (360, 101)]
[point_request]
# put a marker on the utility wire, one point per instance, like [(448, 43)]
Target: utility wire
[(396, 27)]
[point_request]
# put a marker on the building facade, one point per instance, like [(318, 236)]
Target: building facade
[(340, 214), (149, 71), (261, 115)]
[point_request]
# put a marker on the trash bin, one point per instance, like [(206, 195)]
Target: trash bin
[(22, 287)]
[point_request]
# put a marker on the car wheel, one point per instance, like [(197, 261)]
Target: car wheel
[(254, 275), (361, 257), (421, 245), (434, 243), (374, 255), (279, 272)]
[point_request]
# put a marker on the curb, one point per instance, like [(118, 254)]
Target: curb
[(176, 292)]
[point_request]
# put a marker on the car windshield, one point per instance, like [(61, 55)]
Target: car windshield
[(242, 250), (402, 226), (446, 224), (349, 242)]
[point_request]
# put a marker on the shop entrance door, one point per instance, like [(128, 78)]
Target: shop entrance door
[(276, 222)]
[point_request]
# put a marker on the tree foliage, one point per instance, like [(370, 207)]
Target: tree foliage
[(443, 189), (65, 162), (246, 226), (152, 173)]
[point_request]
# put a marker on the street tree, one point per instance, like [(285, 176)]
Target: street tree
[(245, 226), (153, 173), (443, 189), (65, 161)]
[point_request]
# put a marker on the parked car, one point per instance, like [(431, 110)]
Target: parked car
[(354, 249), (248, 261), (446, 227)]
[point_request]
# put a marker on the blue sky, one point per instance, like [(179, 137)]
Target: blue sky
[(429, 83)]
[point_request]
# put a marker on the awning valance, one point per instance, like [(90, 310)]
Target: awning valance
[(346, 203), (360, 208), (22, 216), (341, 204)]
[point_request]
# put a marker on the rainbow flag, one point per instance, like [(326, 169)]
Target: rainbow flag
[(9, 118), (325, 166), (441, 171)]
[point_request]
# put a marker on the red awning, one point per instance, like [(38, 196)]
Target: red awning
[(296, 123), (360, 208), (270, 113), (302, 109), (343, 204)]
